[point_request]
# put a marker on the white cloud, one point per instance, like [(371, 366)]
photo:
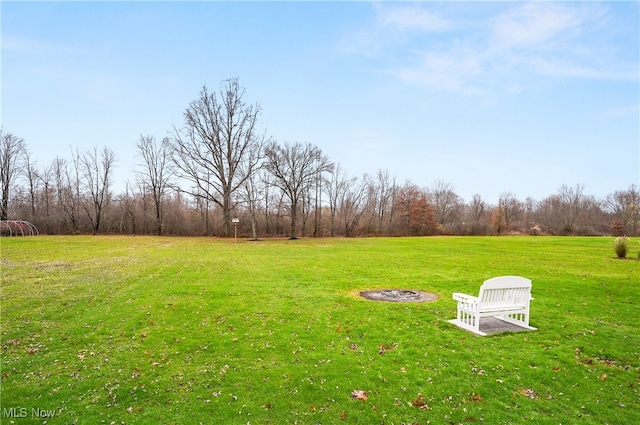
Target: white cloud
[(393, 27), (455, 71), (535, 25), (505, 53), (566, 68), (412, 18)]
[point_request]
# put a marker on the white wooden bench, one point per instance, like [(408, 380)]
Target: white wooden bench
[(506, 298)]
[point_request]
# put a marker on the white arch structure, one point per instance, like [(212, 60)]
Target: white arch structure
[(17, 228)]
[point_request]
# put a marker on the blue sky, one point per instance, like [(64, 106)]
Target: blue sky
[(489, 97)]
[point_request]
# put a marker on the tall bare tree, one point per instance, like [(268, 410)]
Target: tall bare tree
[(294, 168), (572, 203), (625, 207), (96, 170), (354, 202), (337, 184), (67, 189), (385, 190), (156, 173), (45, 177), (11, 151), (30, 173), (446, 202), (216, 142), (251, 188), (508, 211), (476, 211)]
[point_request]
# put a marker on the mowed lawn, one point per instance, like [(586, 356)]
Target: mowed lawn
[(159, 330)]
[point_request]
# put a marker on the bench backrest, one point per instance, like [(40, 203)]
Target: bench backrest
[(505, 291)]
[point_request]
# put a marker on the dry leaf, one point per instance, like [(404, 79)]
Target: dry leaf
[(420, 403), (359, 395), (528, 392), (476, 397), (384, 348)]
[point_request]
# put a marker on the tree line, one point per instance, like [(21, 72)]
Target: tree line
[(218, 167)]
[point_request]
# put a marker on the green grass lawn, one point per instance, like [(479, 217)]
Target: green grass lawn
[(149, 330)]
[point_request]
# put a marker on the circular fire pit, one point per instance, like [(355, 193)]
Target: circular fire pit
[(399, 296)]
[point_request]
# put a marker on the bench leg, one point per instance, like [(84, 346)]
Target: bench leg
[(468, 319)]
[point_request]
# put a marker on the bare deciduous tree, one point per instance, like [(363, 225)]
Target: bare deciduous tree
[(216, 143), (446, 202), (11, 150), (45, 177), (30, 173), (508, 211), (156, 173), (353, 203), (67, 189), (337, 185), (572, 203), (251, 188), (476, 210), (385, 191), (96, 170), (294, 167), (625, 206)]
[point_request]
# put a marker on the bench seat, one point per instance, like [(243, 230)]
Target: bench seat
[(506, 298)]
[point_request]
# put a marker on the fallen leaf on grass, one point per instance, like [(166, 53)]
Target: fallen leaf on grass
[(420, 403), (475, 397), (528, 392), (359, 395), (135, 373), (382, 349)]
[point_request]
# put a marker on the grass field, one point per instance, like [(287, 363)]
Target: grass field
[(148, 330)]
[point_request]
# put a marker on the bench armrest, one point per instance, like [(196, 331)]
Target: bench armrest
[(465, 298)]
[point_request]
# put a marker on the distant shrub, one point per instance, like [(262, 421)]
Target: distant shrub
[(621, 245)]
